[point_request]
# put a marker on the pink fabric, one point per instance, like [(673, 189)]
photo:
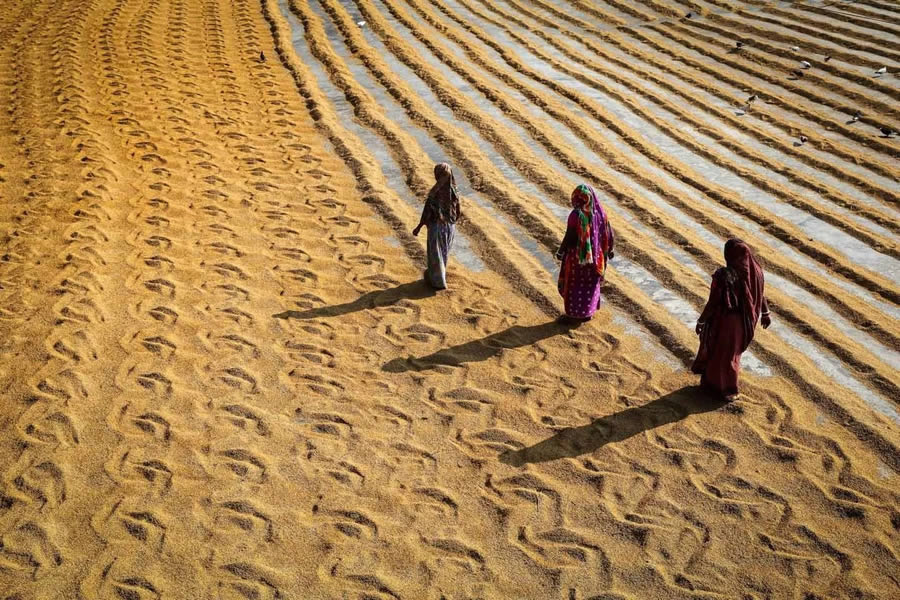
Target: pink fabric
[(579, 285)]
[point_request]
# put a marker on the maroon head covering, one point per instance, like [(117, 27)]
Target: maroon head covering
[(744, 284)]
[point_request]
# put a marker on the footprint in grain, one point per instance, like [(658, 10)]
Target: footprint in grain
[(237, 378), (43, 483), (318, 384), (347, 473), (54, 429), (83, 310), (134, 465), (154, 425), (158, 261), (246, 517), (159, 345), (324, 423), (235, 315), (351, 523), (140, 523), (155, 382), (76, 347), (234, 343), (438, 498), (133, 588), (456, 552), (372, 585), (246, 418), (28, 548), (243, 463), (247, 581), (226, 249), (63, 386), (310, 353), (163, 314)]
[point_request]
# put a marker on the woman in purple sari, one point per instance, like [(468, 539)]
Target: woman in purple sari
[(439, 215), (584, 252)]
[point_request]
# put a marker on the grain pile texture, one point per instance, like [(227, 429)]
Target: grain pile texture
[(221, 376)]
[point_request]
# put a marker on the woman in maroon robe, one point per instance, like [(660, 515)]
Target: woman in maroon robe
[(736, 302)]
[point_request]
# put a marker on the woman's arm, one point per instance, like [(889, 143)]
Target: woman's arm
[(765, 319), (567, 242), (425, 218)]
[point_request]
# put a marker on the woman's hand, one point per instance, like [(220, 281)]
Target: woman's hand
[(560, 254), (416, 231), (765, 321), (699, 327)]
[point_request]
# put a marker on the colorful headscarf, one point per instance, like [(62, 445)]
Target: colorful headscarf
[(594, 238), (443, 200)]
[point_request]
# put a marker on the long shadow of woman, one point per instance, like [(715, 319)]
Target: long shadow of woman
[(575, 441), (481, 349), (414, 290)]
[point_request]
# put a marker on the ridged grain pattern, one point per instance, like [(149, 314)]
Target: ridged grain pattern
[(222, 377)]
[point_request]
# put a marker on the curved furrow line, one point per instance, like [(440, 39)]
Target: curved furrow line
[(835, 46), (831, 76), (880, 244), (632, 9), (882, 382), (690, 74), (675, 167), (593, 11), (684, 36), (739, 143), (722, 228), (765, 123), (605, 12), (886, 8), (841, 29), (776, 109), (821, 28), (864, 14)]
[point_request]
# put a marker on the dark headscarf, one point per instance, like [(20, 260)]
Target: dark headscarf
[(442, 204), (744, 287), (594, 236)]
